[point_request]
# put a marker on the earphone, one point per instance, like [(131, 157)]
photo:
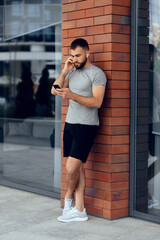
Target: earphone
[(87, 55)]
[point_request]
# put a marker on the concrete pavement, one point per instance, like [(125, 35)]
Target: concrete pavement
[(28, 216)]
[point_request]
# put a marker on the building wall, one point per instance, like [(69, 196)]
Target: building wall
[(105, 24)]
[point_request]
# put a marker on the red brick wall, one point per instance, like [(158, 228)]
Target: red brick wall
[(105, 24)]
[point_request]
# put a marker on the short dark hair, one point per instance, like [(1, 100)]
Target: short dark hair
[(79, 42)]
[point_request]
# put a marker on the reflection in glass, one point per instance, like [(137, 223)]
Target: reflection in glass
[(154, 109), (29, 114)]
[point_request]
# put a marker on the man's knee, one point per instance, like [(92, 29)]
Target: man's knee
[(73, 168)]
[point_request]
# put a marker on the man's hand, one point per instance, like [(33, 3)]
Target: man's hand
[(65, 93), (68, 66)]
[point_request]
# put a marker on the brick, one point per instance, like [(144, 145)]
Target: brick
[(119, 213), (64, 17), (103, 38), (121, 3), (120, 121), (98, 202), (88, 200), (68, 25), (97, 175), (64, 34), (125, 66), (102, 185), (96, 48), (103, 167), (92, 12), (122, 57), (119, 195), (78, 32), (121, 158), (119, 186), (114, 103), (100, 157), (120, 112), (89, 165), (116, 47), (119, 130), (65, 50), (68, 7), (100, 148), (107, 113), (92, 192), (66, 43), (103, 129), (102, 56), (124, 20), (122, 167), (106, 213), (103, 19), (94, 30), (103, 2), (85, 4), (125, 11), (118, 28), (103, 139), (89, 183), (120, 140), (94, 210), (120, 38), (118, 85), (118, 94), (120, 177), (119, 204), (76, 15), (120, 75), (84, 22)]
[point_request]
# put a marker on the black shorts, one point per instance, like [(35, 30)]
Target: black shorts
[(78, 140)]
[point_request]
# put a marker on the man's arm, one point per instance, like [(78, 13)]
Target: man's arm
[(62, 80), (94, 102)]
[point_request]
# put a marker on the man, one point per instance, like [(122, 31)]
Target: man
[(84, 85)]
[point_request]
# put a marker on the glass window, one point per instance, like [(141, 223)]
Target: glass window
[(148, 110), (31, 16), (30, 117)]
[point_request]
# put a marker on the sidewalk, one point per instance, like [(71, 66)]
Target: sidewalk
[(27, 216)]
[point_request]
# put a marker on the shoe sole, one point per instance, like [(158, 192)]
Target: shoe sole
[(74, 220)]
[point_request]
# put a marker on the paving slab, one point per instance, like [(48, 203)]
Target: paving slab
[(29, 216)]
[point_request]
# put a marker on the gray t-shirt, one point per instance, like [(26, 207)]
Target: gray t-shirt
[(81, 82)]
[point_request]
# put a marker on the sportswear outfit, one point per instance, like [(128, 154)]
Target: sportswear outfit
[(81, 121), (80, 127)]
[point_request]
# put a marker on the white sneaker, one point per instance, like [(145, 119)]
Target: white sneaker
[(74, 215), (152, 203), (68, 205)]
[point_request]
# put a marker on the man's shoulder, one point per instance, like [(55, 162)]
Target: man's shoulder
[(96, 69)]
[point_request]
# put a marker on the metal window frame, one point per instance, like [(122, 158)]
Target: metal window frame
[(133, 118)]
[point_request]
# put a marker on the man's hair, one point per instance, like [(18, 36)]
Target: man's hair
[(79, 42)]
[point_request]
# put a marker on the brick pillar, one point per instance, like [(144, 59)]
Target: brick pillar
[(105, 24)]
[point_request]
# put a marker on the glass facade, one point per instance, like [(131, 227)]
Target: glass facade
[(146, 190), (30, 61)]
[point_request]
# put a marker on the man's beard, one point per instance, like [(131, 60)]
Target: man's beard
[(81, 65)]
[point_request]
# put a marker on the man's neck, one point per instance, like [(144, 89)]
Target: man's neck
[(88, 63)]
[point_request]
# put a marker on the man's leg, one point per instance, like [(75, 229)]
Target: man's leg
[(73, 167), (79, 191)]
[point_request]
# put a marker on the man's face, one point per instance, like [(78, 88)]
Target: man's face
[(79, 57)]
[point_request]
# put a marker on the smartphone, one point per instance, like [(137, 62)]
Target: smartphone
[(56, 86)]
